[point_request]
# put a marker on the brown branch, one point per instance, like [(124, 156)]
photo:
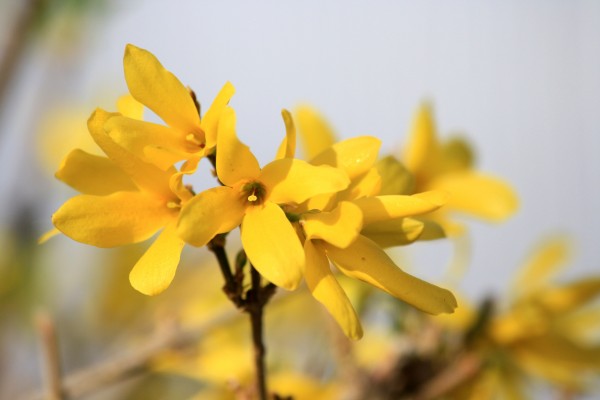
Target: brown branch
[(118, 369), (51, 358)]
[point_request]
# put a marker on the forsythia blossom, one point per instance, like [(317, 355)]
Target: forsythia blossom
[(295, 216)]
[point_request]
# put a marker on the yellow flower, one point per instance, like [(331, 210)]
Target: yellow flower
[(252, 196), (336, 233), (124, 200), (544, 332), (449, 167), (186, 136)]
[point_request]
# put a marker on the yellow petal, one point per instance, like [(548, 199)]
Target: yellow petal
[(395, 178), (366, 261), (570, 296), (394, 232), (235, 161), (422, 149), (432, 230), (339, 227), (154, 272), (293, 181), (152, 143), (90, 174), (159, 90), (479, 195), (543, 263), (355, 156), (48, 235), (382, 208), (272, 245), (326, 289), (287, 149), (365, 185), (130, 107), (457, 155), (113, 220), (210, 121), (316, 134), (213, 211), (146, 176)]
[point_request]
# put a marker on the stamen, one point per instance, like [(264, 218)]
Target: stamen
[(190, 137), (173, 205), (252, 197)]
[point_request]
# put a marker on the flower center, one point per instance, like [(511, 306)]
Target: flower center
[(192, 138), (254, 193)]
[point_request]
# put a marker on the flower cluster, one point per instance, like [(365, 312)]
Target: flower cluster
[(341, 206)]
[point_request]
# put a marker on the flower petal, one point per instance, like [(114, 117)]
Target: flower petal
[(365, 185), (355, 156), (146, 176), (159, 90), (113, 220), (152, 143), (210, 121), (235, 161), (394, 232), (91, 174), (571, 296), (213, 211), (339, 227), (326, 289), (154, 272), (366, 261), (382, 208), (293, 181), (130, 107), (316, 134), (477, 194), (395, 178), (48, 235), (422, 150), (272, 245), (543, 263), (287, 149)]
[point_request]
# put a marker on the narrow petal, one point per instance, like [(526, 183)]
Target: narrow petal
[(365, 185), (154, 272), (287, 149), (381, 208), (130, 107), (571, 296), (272, 245), (543, 263), (113, 220), (48, 235), (394, 232), (210, 121), (152, 85), (339, 227), (457, 155), (91, 174), (355, 156), (146, 176), (477, 194), (293, 181), (316, 134), (152, 143), (213, 211), (235, 161), (326, 289), (395, 178), (422, 148), (366, 261)]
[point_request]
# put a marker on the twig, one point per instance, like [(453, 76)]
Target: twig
[(51, 358), (255, 309), (97, 377), (16, 41)]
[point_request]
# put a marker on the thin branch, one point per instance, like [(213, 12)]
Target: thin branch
[(51, 357), (255, 309), (118, 369)]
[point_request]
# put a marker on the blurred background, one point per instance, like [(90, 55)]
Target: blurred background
[(521, 81)]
